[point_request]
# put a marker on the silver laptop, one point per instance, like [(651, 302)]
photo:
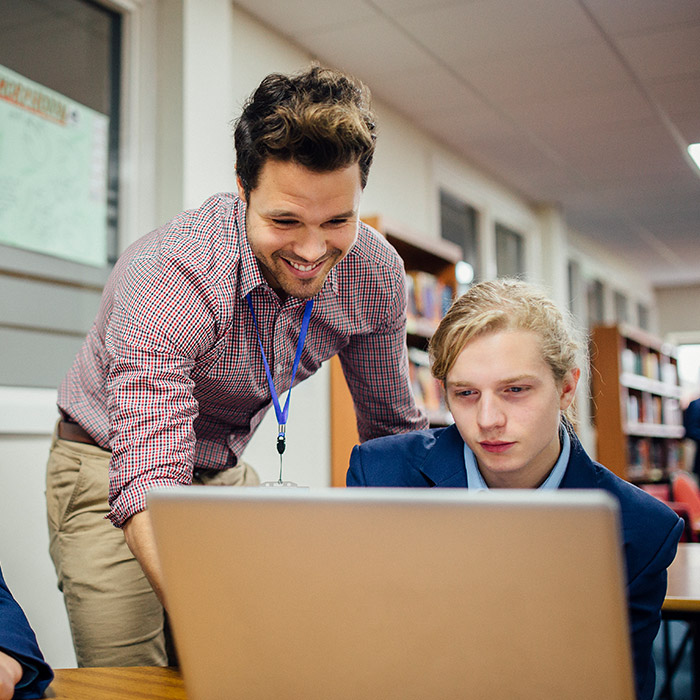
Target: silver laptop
[(375, 594)]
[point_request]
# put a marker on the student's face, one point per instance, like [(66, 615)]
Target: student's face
[(506, 405), (301, 223)]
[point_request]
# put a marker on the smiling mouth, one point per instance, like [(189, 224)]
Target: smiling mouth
[(301, 267)]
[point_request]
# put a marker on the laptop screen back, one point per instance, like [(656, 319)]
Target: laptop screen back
[(392, 593)]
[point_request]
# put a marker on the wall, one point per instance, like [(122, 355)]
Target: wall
[(177, 151), (679, 311)]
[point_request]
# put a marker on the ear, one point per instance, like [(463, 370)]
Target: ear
[(241, 189), (568, 388)]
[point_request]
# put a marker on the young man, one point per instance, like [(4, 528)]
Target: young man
[(23, 671), (508, 361), (201, 325)]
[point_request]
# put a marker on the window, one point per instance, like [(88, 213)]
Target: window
[(459, 223), (509, 252), (621, 308), (60, 98), (689, 365), (595, 303), (643, 316)]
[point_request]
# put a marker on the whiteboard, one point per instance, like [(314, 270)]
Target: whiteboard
[(53, 172)]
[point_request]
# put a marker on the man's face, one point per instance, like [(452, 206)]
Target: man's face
[(506, 405), (301, 223)]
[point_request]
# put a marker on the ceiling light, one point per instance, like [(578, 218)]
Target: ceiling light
[(694, 151), (464, 272)]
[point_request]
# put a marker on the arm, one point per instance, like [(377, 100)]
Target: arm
[(138, 533), (646, 591), (355, 475), (23, 671), (153, 347), (375, 363), (10, 675), (691, 420)]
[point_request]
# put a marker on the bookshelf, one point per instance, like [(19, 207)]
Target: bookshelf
[(636, 400), (430, 278)]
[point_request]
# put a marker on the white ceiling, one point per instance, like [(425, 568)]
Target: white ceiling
[(585, 104)]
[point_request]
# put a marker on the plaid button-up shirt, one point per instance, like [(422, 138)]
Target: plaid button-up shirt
[(170, 376)]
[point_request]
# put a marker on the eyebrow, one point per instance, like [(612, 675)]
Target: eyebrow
[(508, 380), (283, 214)]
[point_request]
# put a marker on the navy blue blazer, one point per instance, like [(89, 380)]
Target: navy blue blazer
[(17, 639), (691, 422), (650, 530)]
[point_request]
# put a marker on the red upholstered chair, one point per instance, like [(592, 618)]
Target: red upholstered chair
[(685, 490), (663, 493)]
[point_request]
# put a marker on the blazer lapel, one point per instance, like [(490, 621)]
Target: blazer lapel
[(444, 463), (580, 472)]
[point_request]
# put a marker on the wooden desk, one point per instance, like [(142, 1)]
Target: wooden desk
[(152, 683), (683, 592), (135, 683), (683, 603)]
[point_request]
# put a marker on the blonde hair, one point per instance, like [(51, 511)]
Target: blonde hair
[(507, 305)]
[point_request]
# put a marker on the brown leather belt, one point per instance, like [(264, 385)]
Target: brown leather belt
[(67, 430)]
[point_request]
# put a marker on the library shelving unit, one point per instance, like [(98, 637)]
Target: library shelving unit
[(636, 399), (430, 278)]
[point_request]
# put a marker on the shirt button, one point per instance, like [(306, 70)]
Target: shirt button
[(279, 369)]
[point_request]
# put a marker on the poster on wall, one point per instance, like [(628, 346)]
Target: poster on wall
[(53, 172)]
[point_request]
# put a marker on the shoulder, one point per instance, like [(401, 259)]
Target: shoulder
[(417, 441), (372, 258), (650, 529), (394, 460), (204, 239), (201, 241)]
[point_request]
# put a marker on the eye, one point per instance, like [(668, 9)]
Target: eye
[(337, 223), (517, 389), (465, 393), (284, 222)]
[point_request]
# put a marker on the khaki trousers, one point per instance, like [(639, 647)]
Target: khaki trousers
[(115, 617)]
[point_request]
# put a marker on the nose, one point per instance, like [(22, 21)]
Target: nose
[(490, 414), (310, 244)]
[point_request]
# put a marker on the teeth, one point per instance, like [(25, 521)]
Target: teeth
[(301, 268)]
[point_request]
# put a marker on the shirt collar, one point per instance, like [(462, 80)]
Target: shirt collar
[(476, 481)]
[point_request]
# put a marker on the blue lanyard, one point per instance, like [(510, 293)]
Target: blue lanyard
[(279, 411)]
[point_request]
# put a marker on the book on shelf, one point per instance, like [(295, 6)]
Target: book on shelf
[(630, 361), (650, 365), (675, 455), (426, 389), (428, 297), (671, 412), (669, 373), (647, 412), (637, 457)]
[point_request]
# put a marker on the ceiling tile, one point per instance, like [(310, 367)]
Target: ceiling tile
[(475, 30), (431, 91), (612, 152), (292, 18), (677, 96), (366, 48), (666, 52), (583, 110), (635, 16), (546, 74)]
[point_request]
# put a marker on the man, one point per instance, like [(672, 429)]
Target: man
[(507, 358), (202, 323), (691, 423), (23, 671)]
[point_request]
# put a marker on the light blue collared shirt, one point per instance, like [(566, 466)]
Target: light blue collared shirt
[(476, 481)]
